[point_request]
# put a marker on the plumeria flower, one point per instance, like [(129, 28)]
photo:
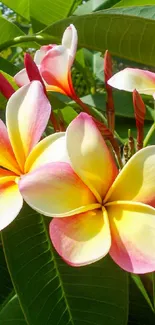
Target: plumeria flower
[(129, 79), (54, 63), (27, 114), (96, 209)]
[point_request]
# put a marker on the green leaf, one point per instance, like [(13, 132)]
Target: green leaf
[(98, 66), (42, 13), (68, 114), (122, 126), (129, 3), (94, 5), (9, 30), (50, 291), (140, 311), (6, 285), (48, 12), (125, 109), (8, 67), (123, 104), (21, 7), (123, 31), (11, 312)]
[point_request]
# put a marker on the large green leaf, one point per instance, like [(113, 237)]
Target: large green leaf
[(48, 12), (8, 67), (129, 3), (122, 126), (94, 5), (122, 100), (123, 104), (50, 291), (8, 30), (21, 7), (41, 12), (5, 284), (140, 311), (11, 312), (125, 32)]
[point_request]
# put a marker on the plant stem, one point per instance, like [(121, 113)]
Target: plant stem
[(27, 38), (149, 134)]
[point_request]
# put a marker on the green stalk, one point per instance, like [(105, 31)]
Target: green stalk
[(27, 38), (149, 134)]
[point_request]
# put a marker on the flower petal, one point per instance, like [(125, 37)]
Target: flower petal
[(81, 239), (50, 149), (39, 54), (69, 40), (136, 180), (55, 68), (89, 155), (10, 199), (27, 114), (7, 157), (129, 79), (5, 172), (133, 236), (21, 78), (55, 190)]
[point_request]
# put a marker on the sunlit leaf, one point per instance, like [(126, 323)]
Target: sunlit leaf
[(117, 30), (50, 291), (9, 29)]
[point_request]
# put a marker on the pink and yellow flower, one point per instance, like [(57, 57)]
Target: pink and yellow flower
[(54, 63), (96, 209), (27, 114), (129, 79)]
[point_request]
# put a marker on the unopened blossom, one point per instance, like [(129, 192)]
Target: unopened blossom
[(95, 208), (54, 63), (27, 114)]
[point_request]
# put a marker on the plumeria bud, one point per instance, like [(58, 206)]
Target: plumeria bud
[(5, 87), (109, 103), (140, 111), (32, 69), (107, 68)]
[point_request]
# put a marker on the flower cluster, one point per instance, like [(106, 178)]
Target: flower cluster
[(73, 176)]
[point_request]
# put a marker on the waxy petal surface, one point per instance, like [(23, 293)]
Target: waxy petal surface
[(69, 40), (39, 54), (27, 114), (133, 236), (55, 67), (55, 190), (136, 180), (81, 239), (50, 149), (7, 157), (10, 199), (89, 155), (21, 78), (129, 79)]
